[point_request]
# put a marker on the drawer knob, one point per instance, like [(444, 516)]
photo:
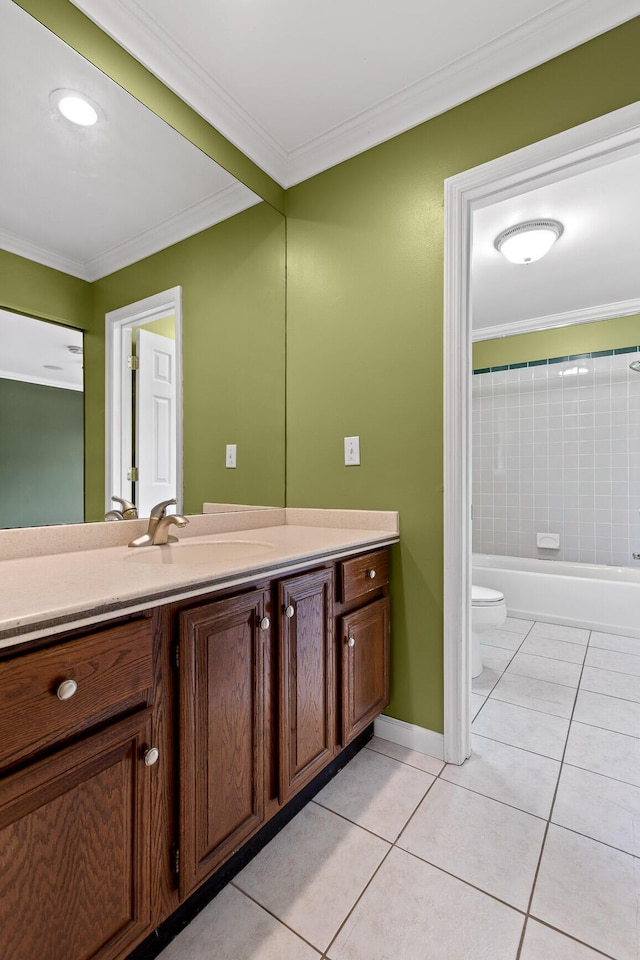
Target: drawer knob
[(289, 611), (371, 574), (351, 642), (151, 756), (66, 689), (265, 623)]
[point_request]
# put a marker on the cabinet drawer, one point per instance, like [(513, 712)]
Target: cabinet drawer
[(111, 669), (363, 574)]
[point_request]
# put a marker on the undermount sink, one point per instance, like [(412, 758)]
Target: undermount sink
[(188, 553)]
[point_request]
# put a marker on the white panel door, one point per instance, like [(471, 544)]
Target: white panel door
[(155, 420)]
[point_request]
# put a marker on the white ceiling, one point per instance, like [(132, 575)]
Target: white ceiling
[(300, 86), (38, 352), (88, 201), (594, 263)]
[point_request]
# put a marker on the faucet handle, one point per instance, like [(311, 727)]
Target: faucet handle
[(158, 511), (129, 510)]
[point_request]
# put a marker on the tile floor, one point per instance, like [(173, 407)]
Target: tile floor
[(529, 851)]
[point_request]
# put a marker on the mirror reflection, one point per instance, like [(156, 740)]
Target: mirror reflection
[(93, 218)]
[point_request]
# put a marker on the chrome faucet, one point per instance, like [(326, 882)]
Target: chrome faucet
[(159, 523), (127, 511)]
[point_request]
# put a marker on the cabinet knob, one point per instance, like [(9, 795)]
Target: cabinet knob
[(66, 689), (289, 611), (265, 623), (151, 756), (371, 574), (351, 642)]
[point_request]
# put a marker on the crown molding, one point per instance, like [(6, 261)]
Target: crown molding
[(142, 36), (566, 25), (48, 258), (233, 199), (602, 311)]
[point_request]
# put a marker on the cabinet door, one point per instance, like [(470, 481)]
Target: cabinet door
[(74, 850), (222, 650), (306, 678), (365, 667)]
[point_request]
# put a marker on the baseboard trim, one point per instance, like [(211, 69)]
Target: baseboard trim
[(411, 736)]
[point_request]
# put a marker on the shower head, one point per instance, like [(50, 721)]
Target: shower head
[(635, 366)]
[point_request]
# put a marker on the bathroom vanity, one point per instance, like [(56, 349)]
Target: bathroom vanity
[(147, 738)]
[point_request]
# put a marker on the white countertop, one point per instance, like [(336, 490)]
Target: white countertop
[(44, 594)]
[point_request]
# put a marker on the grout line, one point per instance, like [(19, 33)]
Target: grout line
[(249, 896)]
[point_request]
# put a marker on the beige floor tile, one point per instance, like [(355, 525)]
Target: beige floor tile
[(600, 808), (522, 779), (556, 631), (610, 683), (543, 668), (312, 873), (517, 625), (614, 641), (484, 683), (504, 639), (412, 911), (413, 757), (591, 892), (554, 649), (233, 927), (521, 727), (613, 660), (488, 844), (477, 701), (602, 751), (376, 792), (539, 695), (611, 713), (541, 943), (497, 658)]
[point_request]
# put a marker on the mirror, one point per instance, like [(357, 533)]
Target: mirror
[(93, 219)]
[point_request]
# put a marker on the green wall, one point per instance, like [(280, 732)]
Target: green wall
[(42, 465), (39, 291), (365, 325), (580, 338), (233, 338)]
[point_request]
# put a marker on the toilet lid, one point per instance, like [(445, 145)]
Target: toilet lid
[(484, 596)]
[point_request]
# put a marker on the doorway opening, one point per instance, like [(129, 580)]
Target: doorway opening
[(591, 145), (144, 402)]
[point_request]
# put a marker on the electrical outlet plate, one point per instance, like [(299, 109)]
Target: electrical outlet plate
[(231, 455), (352, 451)]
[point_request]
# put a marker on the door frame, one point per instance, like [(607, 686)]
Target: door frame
[(564, 155), (118, 323)]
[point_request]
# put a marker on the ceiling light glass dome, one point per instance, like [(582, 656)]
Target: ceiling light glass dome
[(530, 241)]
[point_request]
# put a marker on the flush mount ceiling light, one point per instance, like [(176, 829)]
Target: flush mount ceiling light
[(528, 241), (76, 107)]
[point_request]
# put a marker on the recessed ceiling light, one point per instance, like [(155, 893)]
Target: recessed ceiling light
[(527, 242), (76, 107)]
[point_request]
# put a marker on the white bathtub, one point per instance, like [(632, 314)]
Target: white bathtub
[(589, 595)]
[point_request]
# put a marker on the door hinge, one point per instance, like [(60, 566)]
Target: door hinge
[(132, 474), (133, 363), (176, 655), (176, 860)]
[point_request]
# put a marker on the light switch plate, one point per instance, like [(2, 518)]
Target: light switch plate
[(352, 451), (231, 455)]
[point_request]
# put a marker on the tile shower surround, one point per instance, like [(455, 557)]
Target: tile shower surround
[(556, 451)]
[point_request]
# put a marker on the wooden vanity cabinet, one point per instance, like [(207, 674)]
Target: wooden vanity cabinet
[(363, 641), (222, 651), (75, 810), (306, 678)]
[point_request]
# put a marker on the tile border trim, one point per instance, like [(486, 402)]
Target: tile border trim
[(596, 354)]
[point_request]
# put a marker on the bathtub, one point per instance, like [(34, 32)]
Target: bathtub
[(589, 595)]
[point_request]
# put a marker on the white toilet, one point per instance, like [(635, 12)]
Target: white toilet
[(488, 611)]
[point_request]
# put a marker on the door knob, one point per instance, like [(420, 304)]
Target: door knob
[(351, 642), (151, 756), (289, 611), (66, 689), (265, 623)]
